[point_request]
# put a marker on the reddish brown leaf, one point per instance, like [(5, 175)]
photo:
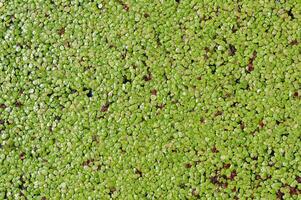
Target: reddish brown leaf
[(126, 7), (195, 193), (232, 50), (250, 67), (227, 165), (3, 106), (18, 104), (88, 162), (105, 108), (148, 77), (255, 158), (280, 195), (188, 165), (242, 125), (261, 124), (296, 94), (234, 29), (214, 179), (294, 42), (233, 175), (202, 120), (293, 190), (214, 150), (154, 92), (22, 156), (218, 113), (61, 31)]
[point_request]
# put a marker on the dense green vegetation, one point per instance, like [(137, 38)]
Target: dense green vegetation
[(163, 99)]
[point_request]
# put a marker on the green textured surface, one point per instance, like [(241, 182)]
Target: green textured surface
[(150, 99)]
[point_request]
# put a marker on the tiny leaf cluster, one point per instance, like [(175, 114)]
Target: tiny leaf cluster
[(162, 99)]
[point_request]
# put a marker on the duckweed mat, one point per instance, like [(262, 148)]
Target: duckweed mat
[(162, 99)]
